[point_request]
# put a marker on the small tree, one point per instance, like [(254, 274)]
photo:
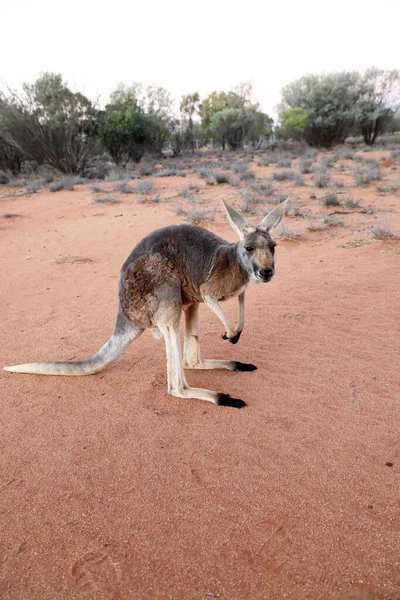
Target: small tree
[(379, 102), (330, 102), (124, 133), (11, 158), (231, 126), (189, 107), (214, 103), (50, 124), (178, 138), (293, 122), (260, 126)]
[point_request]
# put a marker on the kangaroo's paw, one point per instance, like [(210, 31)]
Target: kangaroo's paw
[(234, 339)]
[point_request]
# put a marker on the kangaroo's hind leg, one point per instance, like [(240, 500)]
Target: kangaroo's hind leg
[(177, 384), (192, 356)]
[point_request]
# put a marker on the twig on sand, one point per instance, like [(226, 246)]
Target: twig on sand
[(354, 397)]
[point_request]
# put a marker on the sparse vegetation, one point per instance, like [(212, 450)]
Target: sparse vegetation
[(123, 187), (195, 214), (106, 200), (298, 179), (285, 175), (117, 174), (144, 187), (330, 199), (306, 166), (365, 176), (98, 189), (34, 186), (66, 183), (349, 202), (381, 231), (283, 163), (389, 188), (322, 179)]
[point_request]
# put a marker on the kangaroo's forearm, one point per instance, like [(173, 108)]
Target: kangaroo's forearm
[(215, 307), (242, 306)]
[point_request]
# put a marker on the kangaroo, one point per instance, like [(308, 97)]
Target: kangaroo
[(173, 269)]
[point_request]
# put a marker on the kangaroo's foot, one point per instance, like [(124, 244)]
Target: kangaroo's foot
[(233, 339), (229, 365), (208, 395)]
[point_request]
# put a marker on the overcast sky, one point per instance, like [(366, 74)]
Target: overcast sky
[(189, 46)]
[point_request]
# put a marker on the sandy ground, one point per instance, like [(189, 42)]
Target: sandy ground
[(111, 489)]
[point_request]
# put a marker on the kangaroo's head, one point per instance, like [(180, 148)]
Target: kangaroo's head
[(256, 247)]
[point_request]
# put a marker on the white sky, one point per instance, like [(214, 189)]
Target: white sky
[(194, 46)]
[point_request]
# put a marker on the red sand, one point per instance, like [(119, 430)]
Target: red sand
[(111, 489)]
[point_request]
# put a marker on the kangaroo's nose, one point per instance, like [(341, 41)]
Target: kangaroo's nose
[(266, 274)]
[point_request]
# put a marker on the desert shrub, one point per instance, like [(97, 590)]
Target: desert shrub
[(146, 170), (389, 188), (117, 174), (144, 187), (246, 175), (212, 177), (321, 180), (251, 203), (317, 226), (298, 179), (184, 191), (306, 166), (365, 176), (195, 214), (326, 162), (381, 231), (346, 153), (123, 187), (285, 233), (395, 154), (263, 187), (285, 175), (331, 221), (106, 200), (168, 172), (283, 163), (66, 183), (221, 177), (330, 199), (269, 159), (240, 167), (95, 187), (350, 202), (155, 199), (34, 186)]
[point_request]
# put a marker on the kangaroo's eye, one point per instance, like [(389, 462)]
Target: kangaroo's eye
[(249, 248)]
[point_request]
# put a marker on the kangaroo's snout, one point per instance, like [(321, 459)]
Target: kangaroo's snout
[(265, 274)]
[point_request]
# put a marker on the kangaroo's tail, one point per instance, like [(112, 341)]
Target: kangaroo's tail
[(124, 334)]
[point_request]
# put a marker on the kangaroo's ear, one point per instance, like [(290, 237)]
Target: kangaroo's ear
[(274, 217), (239, 223)]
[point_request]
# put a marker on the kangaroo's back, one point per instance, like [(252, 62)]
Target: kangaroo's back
[(192, 250)]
